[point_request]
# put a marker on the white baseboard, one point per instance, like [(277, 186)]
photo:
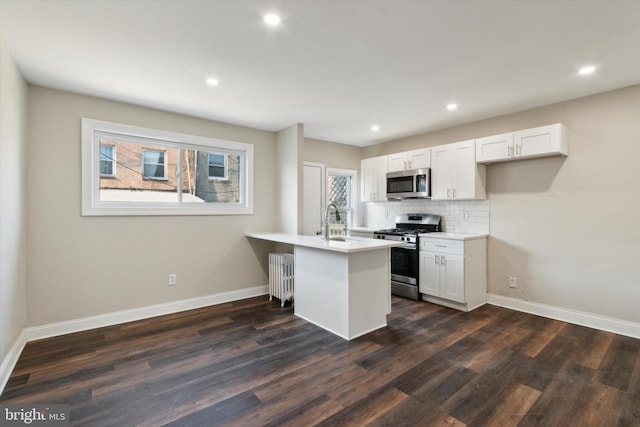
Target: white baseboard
[(86, 323), (621, 327), (10, 360)]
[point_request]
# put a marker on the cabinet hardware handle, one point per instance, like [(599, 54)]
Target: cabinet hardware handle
[(518, 150), (510, 151), (443, 260), (448, 192), (437, 259), (454, 193), (441, 246)]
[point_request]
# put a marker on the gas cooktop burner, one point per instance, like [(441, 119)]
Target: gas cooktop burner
[(392, 231), (403, 231)]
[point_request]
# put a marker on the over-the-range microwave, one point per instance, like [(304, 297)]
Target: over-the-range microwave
[(409, 184)]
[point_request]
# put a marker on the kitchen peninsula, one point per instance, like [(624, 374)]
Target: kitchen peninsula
[(341, 285)]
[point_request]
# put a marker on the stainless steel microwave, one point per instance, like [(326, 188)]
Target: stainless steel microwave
[(409, 184)]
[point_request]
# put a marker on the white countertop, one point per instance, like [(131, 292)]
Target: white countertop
[(352, 244), (453, 236)]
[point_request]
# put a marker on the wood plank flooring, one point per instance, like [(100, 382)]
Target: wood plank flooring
[(253, 363)]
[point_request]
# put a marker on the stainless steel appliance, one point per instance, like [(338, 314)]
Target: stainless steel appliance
[(409, 184), (404, 259)]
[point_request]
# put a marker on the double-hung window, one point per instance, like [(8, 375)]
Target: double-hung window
[(162, 173), (153, 164), (217, 166), (107, 160), (340, 190)]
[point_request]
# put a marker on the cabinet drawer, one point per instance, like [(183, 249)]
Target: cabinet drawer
[(442, 245)]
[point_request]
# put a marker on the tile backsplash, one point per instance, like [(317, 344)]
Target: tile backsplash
[(468, 216)]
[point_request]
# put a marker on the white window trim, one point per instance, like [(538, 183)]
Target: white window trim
[(164, 165), (113, 163), (217, 178), (91, 204), (354, 190)]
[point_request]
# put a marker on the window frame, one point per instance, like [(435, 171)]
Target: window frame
[(351, 211), (112, 160), (224, 166), (164, 176), (95, 130)]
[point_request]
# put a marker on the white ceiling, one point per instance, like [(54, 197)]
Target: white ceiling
[(338, 67)]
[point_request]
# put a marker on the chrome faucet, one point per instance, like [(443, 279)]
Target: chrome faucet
[(325, 225)]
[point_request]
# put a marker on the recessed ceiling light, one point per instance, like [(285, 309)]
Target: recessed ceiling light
[(272, 19), (212, 81), (452, 107), (375, 128), (586, 70)]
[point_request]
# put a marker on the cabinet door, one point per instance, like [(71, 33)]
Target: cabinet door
[(419, 159), (496, 147), (381, 178), (540, 141), (397, 162), (441, 172), (368, 179), (452, 277), (429, 276), (465, 166)]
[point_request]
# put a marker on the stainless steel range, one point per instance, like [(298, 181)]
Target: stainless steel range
[(404, 259)]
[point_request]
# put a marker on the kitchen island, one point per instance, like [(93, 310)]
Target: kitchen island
[(341, 285)]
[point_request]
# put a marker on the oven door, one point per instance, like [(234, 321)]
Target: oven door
[(404, 265)]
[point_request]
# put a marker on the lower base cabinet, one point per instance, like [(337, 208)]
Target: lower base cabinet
[(453, 272)]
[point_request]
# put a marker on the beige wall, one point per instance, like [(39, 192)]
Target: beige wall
[(13, 104), (339, 156), (332, 155), (567, 228), (86, 266)]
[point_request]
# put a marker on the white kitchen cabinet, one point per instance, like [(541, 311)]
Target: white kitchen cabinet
[(453, 272), (373, 179), (455, 173), (494, 148), (415, 159), (542, 141)]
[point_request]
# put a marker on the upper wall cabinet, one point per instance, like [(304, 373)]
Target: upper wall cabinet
[(373, 179), (415, 159), (455, 174), (542, 141)]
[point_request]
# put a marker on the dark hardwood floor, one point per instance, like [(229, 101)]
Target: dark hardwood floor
[(253, 363)]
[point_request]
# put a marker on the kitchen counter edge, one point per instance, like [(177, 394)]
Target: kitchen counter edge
[(352, 245), (453, 236)]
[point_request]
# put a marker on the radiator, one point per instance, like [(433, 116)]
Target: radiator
[(281, 277)]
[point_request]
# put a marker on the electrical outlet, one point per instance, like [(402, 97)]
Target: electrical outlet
[(172, 279), (513, 282)]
